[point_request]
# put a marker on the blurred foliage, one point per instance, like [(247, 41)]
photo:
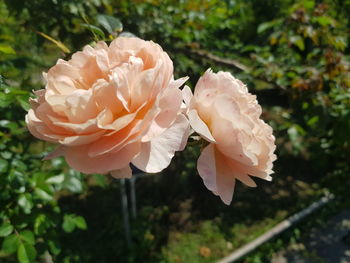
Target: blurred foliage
[(292, 54)]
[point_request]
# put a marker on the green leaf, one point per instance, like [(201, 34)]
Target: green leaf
[(264, 26), (28, 237), (94, 29), (324, 20), (25, 202), (110, 23), (43, 194), (80, 222), (3, 166), (100, 179), (127, 34), (313, 121), (10, 244), (68, 223), (298, 41), (26, 253), (73, 184), (6, 229), (58, 179), (40, 224), (309, 4), (54, 247), (23, 101), (6, 49)]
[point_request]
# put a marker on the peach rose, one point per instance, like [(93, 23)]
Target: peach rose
[(240, 145), (109, 106)]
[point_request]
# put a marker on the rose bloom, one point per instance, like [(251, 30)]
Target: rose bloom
[(109, 106), (240, 144)]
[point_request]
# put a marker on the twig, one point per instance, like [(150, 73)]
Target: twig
[(225, 61)]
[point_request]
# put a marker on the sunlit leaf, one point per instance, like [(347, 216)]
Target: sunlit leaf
[(10, 244), (26, 253), (6, 49), (5, 229)]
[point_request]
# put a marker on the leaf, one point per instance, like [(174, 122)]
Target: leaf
[(100, 180), (110, 23), (264, 26), (43, 194), (25, 202), (24, 102), (26, 253), (58, 179), (309, 4), (10, 244), (94, 29), (80, 222), (40, 224), (28, 237), (3, 166), (58, 43), (298, 41), (73, 184), (54, 247), (68, 223), (6, 49), (324, 20), (313, 121), (127, 34), (6, 229)]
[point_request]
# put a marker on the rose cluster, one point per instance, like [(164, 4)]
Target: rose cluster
[(112, 106)]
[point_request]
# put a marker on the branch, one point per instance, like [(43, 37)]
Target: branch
[(224, 61)]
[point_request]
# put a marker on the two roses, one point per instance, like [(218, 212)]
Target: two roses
[(110, 106)]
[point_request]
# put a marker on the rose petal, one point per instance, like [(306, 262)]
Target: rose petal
[(206, 166), (77, 157), (156, 154), (187, 95), (199, 126)]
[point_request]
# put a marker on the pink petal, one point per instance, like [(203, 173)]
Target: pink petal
[(168, 107), (187, 95), (105, 96), (206, 167), (77, 157), (225, 179), (114, 141), (216, 174), (156, 154), (174, 84), (81, 139), (81, 106), (199, 126)]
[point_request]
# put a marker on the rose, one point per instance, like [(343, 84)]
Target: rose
[(227, 116), (112, 105)]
